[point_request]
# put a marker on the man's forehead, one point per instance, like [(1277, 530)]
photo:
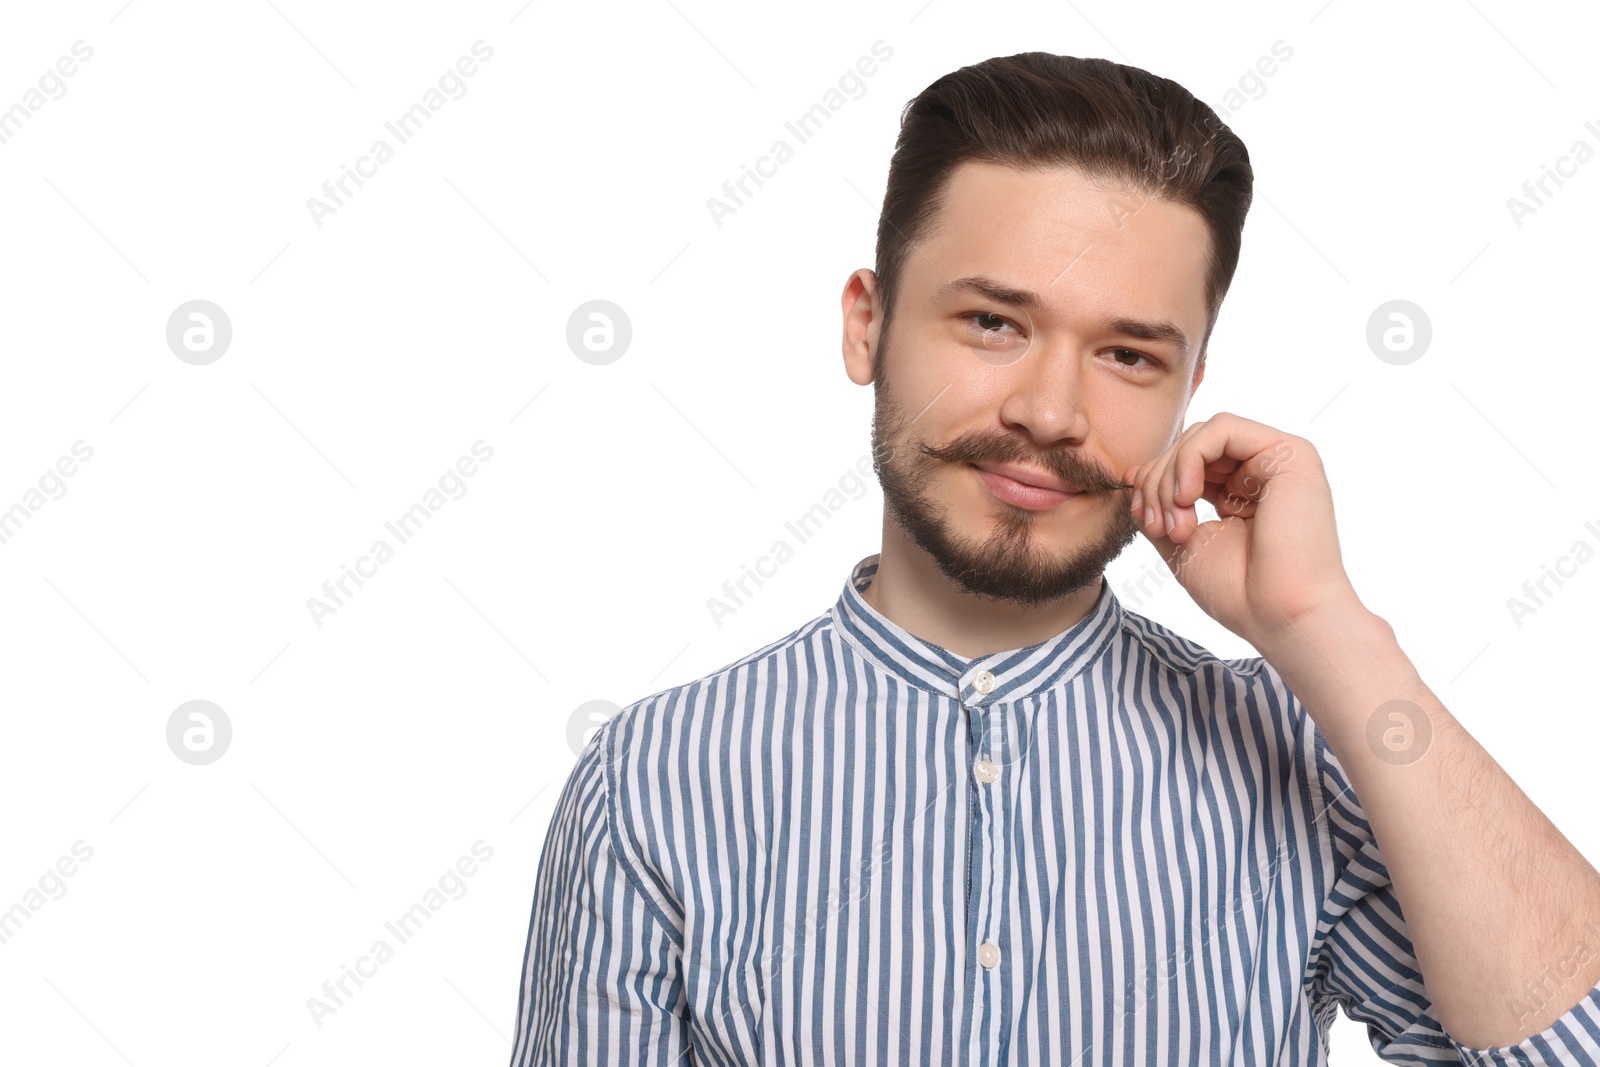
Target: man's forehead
[(1056, 210)]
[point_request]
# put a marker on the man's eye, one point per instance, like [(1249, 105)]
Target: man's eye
[(988, 322), (1118, 353)]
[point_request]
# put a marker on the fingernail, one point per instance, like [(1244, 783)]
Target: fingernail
[(1138, 498), (1168, 516), (1149, 516)]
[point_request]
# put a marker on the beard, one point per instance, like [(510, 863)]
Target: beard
[(1010, 564)]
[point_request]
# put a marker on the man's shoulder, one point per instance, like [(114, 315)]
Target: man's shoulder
[(734, 688), (1184, 655), (1244, 699)]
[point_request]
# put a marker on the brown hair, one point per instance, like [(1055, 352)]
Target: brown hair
[(1036, 110)]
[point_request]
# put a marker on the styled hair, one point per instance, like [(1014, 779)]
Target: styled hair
[(1036, 110)]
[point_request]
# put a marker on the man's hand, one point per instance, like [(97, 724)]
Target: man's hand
[(1271, 558)]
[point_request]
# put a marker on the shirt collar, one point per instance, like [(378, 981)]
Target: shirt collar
[(995, 678)]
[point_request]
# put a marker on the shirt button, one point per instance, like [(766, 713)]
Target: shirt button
[(983, 682), (986, 770), (989, 955)]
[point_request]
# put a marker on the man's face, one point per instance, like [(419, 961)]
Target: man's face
[(1092, 378)]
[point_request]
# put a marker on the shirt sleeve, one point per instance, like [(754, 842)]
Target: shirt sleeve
[(1362, 957), (602, 975)]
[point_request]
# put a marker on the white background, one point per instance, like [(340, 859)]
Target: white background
[(432, 709)]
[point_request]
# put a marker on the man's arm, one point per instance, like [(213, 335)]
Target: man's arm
[(602, 971), (1497, 900), (1503, 912)]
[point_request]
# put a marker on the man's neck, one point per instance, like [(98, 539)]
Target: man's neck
[(910, 591)]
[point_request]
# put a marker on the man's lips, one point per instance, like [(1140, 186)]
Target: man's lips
[(1029, 477)]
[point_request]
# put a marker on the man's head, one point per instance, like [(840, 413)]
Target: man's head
[(1056, 240)]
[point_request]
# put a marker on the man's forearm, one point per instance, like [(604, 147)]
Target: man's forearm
[(1503, 912)]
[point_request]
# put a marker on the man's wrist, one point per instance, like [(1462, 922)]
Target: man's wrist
[(1340, 614)]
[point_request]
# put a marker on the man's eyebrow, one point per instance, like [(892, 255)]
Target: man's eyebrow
[(1162, 331), (979, 285)]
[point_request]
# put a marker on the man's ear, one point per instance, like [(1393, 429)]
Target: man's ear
[(1199, 374), (859, 303)]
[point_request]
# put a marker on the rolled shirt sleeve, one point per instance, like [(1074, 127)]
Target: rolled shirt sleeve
[(1362, 957), (602, 974)]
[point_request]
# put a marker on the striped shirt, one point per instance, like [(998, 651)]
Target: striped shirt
[(855, 847)]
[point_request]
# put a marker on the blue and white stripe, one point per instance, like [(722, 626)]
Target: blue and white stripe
[(801, 859)]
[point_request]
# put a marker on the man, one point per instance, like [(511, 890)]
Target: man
[(978, 812)]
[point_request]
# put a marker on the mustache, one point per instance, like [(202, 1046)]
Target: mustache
[(1071, 467)]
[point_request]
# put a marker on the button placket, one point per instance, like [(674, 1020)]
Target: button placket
[(987, 769), (983, 889)]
